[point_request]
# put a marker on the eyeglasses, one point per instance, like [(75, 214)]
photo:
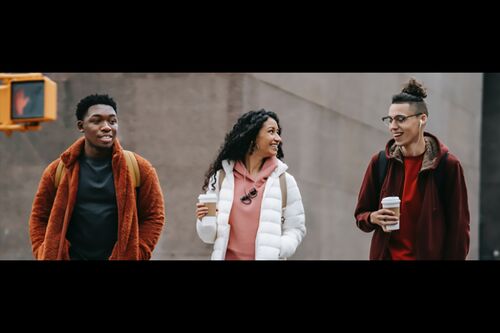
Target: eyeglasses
[(399, 118), (247, 198)]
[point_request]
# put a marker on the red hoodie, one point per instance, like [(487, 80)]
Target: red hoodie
[(443, 228)]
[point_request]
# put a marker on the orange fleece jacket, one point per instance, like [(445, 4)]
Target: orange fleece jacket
[(139, 226)]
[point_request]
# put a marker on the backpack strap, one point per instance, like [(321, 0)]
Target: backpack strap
[(284, 198), (438, 174), (133, 167), (283, 190), (382, 170), (60, 171)]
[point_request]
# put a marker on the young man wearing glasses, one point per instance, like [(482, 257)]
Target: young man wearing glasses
[(429, 180), (259, 216)]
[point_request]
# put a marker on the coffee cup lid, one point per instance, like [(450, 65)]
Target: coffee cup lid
[(208, 197), (391, 200)]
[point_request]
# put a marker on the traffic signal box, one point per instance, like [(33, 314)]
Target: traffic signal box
[(26, 100)]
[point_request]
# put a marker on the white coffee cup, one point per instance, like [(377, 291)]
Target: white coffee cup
[(393, 204), (210, 200)]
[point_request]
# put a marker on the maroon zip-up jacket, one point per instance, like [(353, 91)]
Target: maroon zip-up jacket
[(443, 228)]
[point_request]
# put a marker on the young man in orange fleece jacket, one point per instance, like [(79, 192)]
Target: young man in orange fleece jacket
[(96, 213)]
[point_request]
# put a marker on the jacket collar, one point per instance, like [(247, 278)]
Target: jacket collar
[(76, 149), (228, 167), (434, 151)]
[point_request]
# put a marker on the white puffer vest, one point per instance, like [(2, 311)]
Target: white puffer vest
[(275, 240)]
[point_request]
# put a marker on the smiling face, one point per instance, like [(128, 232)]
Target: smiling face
[(406, 132), (268, 139), (100, 126)]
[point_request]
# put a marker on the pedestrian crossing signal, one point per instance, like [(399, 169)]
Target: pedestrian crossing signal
[(25, 101)]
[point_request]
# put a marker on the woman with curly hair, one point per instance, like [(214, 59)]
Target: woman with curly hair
[(419, 169), (260, 212)]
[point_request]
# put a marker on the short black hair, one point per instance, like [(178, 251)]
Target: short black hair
[(91, 100)]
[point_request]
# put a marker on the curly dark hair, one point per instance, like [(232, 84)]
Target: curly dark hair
[(91, 100), (413, 93), (240, 140)]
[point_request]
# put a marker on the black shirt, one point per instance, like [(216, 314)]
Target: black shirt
[(93, 228)]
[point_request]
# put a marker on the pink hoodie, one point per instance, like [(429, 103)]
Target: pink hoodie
[(244, 219)]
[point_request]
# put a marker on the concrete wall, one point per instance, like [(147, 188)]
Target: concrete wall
[(331, 126)]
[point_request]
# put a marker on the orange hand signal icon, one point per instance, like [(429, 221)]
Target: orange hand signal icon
[(20, 101)]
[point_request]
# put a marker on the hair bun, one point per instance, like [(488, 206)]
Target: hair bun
[(415, 88)]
